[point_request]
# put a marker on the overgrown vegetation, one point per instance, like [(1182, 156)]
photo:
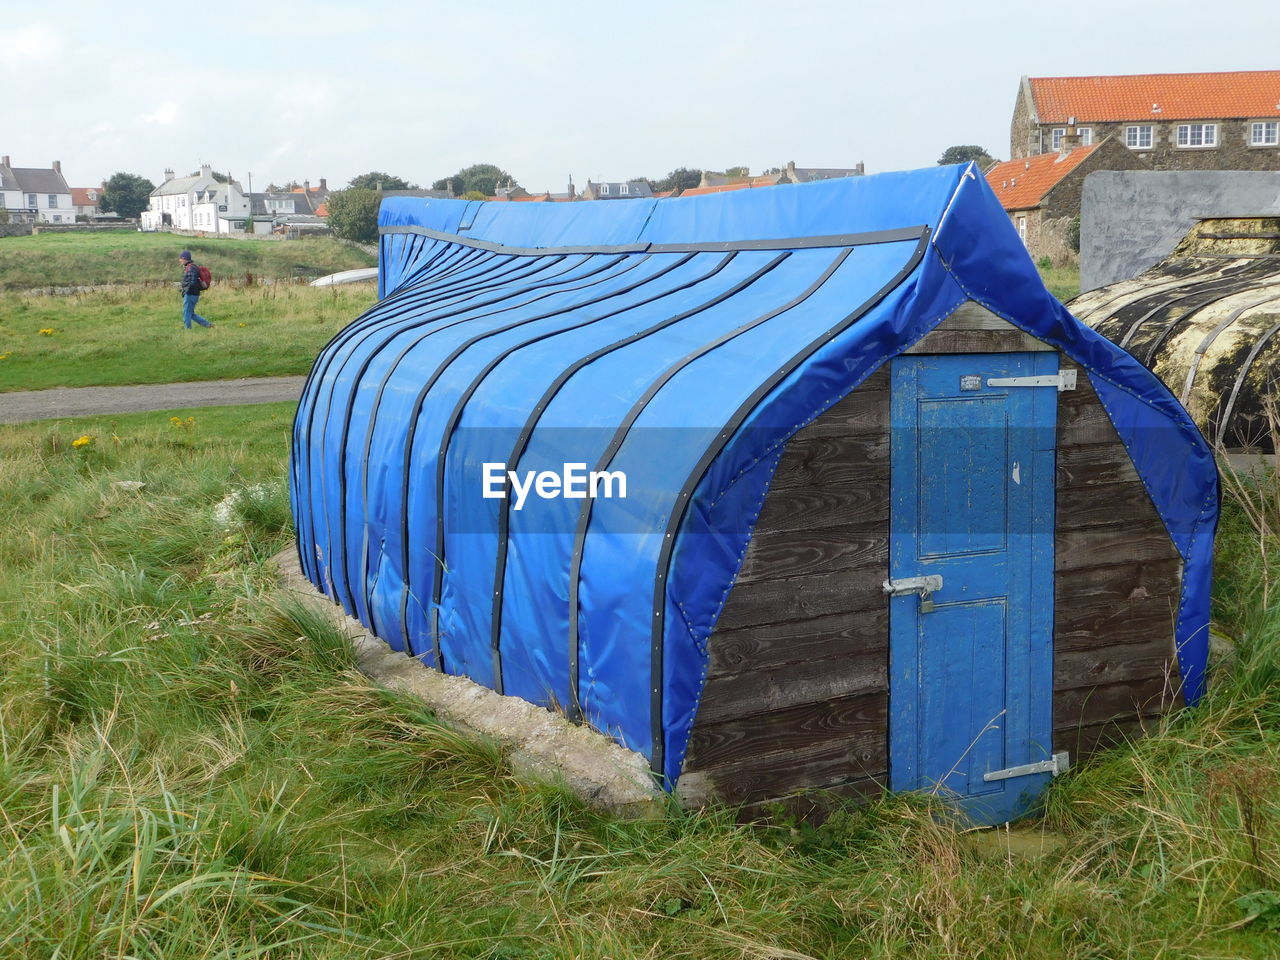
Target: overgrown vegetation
[(135, 335), (1063, 282), (189, 768), (77, 260)]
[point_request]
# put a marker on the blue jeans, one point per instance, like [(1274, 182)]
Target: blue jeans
[(189, 301)]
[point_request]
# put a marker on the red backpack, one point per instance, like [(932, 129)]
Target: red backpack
[(206, 278)]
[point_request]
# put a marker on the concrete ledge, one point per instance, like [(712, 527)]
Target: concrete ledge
[(541, 744)]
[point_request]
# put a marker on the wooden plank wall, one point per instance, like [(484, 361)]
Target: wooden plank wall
[(797, 696), (1117, 580), (797, 687)]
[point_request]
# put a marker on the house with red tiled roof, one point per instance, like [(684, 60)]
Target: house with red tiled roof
[(1175, 121), (85, 200), (1041, 193)]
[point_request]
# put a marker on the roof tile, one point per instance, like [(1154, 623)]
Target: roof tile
[(1158, 96), (1023, 183)]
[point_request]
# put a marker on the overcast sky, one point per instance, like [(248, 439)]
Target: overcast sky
[(288, 90)]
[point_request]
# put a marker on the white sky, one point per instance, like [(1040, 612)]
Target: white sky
[(300, 91)]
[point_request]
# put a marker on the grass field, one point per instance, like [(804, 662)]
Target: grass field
[(77, 260), (1063, 282), (189, 769), (135, 335)]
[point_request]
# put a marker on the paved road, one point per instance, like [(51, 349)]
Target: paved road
[(90, 401)]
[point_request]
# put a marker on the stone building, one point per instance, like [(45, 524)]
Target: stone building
[(1175, 121), (1041, 193)]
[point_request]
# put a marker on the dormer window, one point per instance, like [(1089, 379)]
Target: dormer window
[(604, 189), (625, 188)]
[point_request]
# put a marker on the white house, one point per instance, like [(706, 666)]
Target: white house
[(197, 202), (35, 193)]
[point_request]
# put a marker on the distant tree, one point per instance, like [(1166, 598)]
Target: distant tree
[(481, 177), (376, 180), (474, 195), (963, 153), (277, 188), (737, 171), (681, 178), (219, 177), (353, 214), (126, 194)]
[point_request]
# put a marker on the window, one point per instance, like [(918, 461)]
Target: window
[(1057, 136), (625, 188), (53, 201), (1138, 138), (1264, 134), (1198, 135), (1086, 136), (57, 218), (1022, 229), (31, 200), (604, 189)]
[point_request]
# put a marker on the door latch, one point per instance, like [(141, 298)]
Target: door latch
[(924, 586)]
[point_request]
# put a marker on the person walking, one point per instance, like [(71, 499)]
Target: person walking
[(190, 291)]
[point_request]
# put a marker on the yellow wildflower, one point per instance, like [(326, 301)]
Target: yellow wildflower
[(5, 356), (84, 441), (241, 324), (46, 331)]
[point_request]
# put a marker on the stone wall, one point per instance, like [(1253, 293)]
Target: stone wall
[(15, 229), (1022, 131), (1131, 220), (1232, 152)]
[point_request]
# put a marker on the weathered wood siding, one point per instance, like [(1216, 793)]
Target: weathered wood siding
[(796, 695), (1117, 578)]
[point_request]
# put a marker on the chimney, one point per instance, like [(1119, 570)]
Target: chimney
[(57, 167), (168, 173), (206, 170), (324, 184), (573, 195), (306, 186), (1071, 139)]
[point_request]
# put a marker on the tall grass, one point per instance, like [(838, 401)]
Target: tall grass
[(55, 260), (135, 335), (190, 768)]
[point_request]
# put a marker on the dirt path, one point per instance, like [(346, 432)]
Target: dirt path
[(91, 401)]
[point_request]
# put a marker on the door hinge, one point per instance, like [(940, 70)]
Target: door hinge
[(1065, 380), (1057, 764)]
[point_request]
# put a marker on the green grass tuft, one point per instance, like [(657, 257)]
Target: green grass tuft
[(191, 768)]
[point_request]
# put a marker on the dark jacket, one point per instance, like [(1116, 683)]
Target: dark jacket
[(191, 279)]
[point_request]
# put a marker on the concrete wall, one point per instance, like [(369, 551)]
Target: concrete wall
[(1131, 220)]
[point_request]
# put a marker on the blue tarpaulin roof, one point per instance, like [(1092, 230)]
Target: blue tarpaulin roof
[(680, 343)]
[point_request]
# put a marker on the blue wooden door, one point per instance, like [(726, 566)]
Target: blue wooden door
[(972, 502)]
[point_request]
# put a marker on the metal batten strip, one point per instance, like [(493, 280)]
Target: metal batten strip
[(460, 406), (1229, 283), (1109, 306), (307, 402), (1211, 336), (356, 341), (415, 416), (526, 433), (711, 246), (681, 503), (620, 434), (1225, 422), (547, 284)]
